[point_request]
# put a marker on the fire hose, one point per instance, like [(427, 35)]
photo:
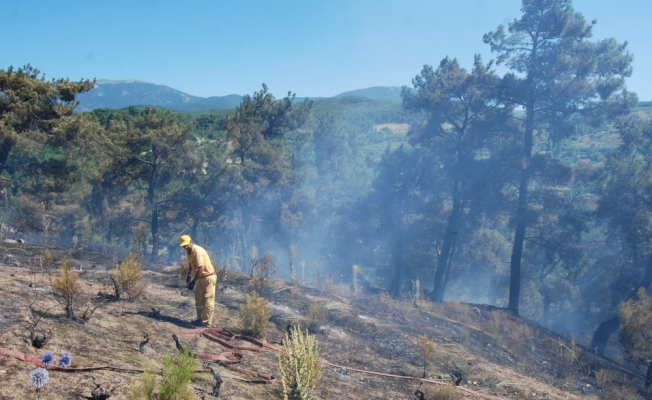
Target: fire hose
[(227, 359)]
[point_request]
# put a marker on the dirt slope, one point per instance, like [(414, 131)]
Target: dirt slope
[(494, 354)]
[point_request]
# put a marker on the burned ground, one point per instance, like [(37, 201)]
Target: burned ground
[(493, 353)]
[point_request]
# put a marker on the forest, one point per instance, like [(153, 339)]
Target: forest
[(530, 191)]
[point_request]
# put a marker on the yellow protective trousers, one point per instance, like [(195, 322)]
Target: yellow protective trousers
[(205, 299)]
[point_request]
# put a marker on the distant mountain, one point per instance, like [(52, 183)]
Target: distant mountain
[(386, 93), (121, 94)]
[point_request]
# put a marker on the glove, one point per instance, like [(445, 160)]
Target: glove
[(191, 285), (188, 279)]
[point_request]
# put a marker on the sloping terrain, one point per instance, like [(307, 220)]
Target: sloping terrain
[(362, 337)]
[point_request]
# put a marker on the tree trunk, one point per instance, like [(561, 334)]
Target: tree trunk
[(521, 223), (437, 293), (153, 203), (546, 310), (604, 331), (397, 265), (5, 147)]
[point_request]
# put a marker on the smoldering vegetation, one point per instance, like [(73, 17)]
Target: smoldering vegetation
[(528, 191)]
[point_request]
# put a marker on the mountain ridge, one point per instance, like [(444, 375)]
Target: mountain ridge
[(116, 94)]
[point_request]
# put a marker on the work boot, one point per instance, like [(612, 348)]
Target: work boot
[(196, 322)]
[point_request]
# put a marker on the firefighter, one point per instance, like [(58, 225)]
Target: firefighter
[(205, 278)]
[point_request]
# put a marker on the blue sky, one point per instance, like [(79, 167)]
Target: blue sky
[(313, 48)]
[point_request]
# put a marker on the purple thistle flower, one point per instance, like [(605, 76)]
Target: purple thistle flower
[(65, 360), (39, 377), (47, 358)]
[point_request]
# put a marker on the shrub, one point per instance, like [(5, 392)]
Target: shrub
[(178, 370), (66, 288), (127, 278), (46, 259), (316, 315), (254, 315), (262, 268), (425, 347), (300, 365), (143, 389), (385, 300)]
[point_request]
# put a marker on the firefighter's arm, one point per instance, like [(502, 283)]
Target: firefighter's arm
[(200, 272)]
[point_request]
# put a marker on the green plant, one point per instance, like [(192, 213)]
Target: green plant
[(299, 364), (178, 370), (143, 389), (254, 315), (127, 278), (66, 288)]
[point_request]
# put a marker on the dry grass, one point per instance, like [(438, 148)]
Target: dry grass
[(385, 300), (442, 393), (46, 259)]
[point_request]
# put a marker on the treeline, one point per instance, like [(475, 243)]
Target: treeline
[(530, 191)]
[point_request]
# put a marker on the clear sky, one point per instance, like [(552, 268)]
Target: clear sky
[(313, 48)]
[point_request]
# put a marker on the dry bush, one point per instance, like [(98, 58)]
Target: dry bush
[(442, 393), (425, 348), (127, 278), (457, 311), (507, 331), (254, 315), (622, 392), (316, 315), (46, 259), (66, 288), (606, 376), (183, 269), (299, 364), (338, 289), (385, 300), (262, 268)]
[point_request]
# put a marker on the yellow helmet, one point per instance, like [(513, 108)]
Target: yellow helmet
[(185, 240)]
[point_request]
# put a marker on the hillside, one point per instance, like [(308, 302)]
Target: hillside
[(371, 342), (116, 94), (121, 94)]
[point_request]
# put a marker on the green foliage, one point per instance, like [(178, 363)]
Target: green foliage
[(178, 370), (300, 365), (143, 389), (254, 315)]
